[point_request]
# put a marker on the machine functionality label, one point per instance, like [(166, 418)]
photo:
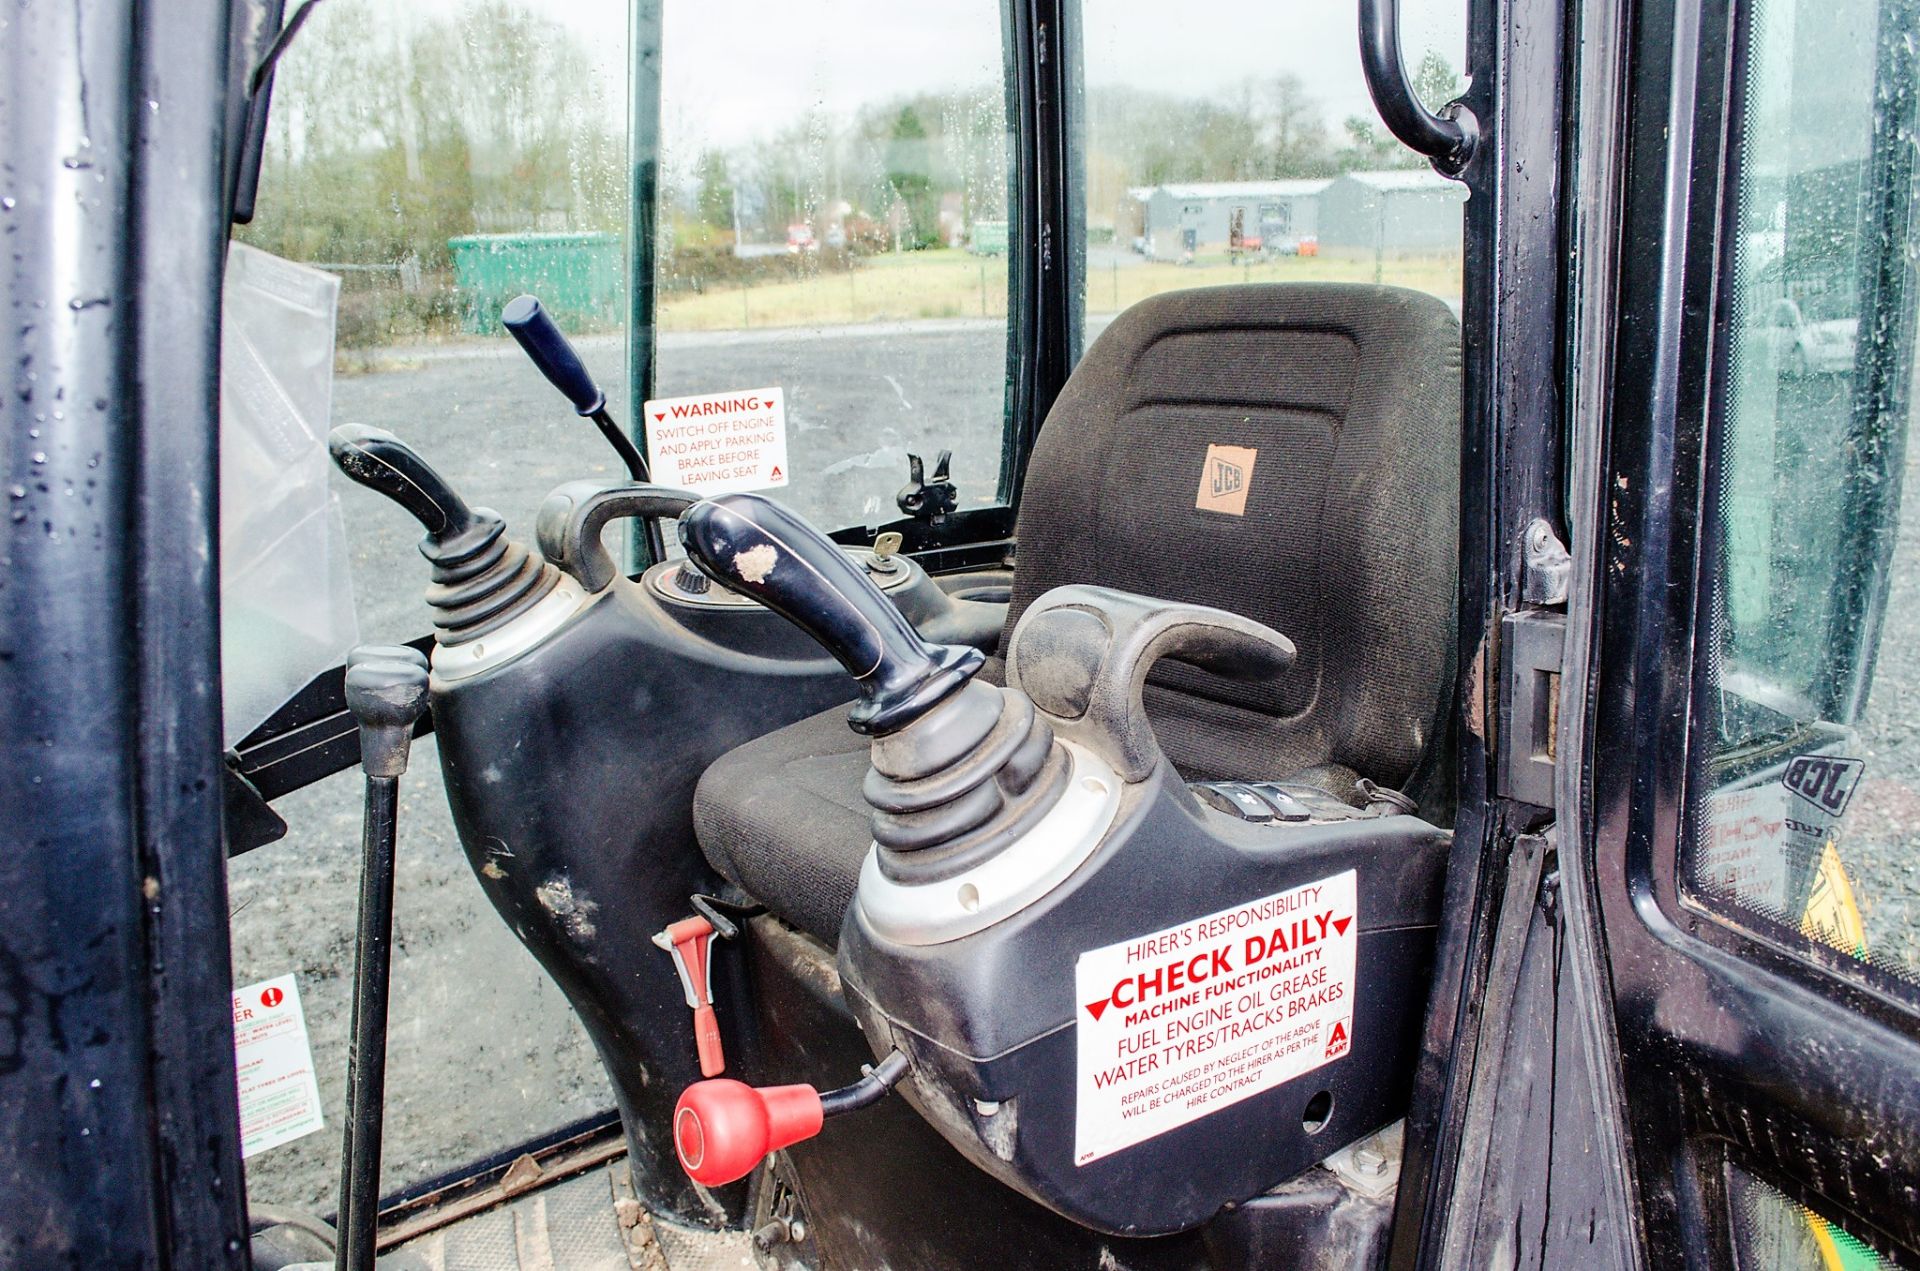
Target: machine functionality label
[(279, 1098), (1184, 1022), (719, 442)]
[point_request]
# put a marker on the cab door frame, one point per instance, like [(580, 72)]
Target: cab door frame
[(1742, 1053), (1517, 1046), (118, 1121)]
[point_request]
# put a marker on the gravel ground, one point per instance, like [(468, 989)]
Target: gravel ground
[(483, 1051)]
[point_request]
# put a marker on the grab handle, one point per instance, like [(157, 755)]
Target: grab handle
[(1448, 140)]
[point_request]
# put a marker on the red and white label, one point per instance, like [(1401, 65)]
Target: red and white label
[(279, 1097), (1743, 852), (719, 442), (1180, 1023)]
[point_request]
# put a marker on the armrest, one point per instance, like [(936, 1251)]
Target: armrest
[(1082, 654)]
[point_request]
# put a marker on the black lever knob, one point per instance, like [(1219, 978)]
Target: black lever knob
[(754, 546), (387, 693), (543, 341), (553, 353), (381, 461)]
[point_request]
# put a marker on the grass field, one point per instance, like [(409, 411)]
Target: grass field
[(955, 284)]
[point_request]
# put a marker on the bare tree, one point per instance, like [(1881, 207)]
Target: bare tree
[(1296, 132)]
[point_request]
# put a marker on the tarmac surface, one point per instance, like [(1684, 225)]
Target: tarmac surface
[(484, 1052)]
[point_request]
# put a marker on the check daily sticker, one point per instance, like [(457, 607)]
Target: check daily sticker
[(1178, 1024), (719, 442)]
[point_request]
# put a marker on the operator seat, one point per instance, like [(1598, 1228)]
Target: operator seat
[(1288, 452)]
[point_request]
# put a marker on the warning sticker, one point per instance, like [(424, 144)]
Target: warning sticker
[(279, 1098), (719, 442), (1186, 1021)]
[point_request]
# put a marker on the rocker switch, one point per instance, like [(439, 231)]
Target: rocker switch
[(1235, 800), (1285, 806)]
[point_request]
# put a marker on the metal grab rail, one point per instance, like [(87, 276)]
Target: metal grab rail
[(1447, 140)]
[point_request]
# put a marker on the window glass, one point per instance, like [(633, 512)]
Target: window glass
[(437, 158), (833, 223), (1810, 822), (483, 1052), (1252, 153), (1774, 1233)]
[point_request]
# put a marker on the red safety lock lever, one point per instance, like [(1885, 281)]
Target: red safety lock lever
[(690, 942), (723, 1128)]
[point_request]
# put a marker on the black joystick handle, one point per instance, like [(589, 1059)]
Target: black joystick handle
[(754, 546), (553, 353), (481, 580), (528, 321), (381, 461)]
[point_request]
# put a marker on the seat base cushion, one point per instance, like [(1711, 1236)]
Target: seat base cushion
[(783, 819)]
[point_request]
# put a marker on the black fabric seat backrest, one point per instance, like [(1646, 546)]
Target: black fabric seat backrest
[(1349, 398)]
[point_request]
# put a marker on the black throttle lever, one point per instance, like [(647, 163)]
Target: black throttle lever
[(754, 546), (547, 346)]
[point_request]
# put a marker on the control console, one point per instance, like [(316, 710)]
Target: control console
[(1097, 977)]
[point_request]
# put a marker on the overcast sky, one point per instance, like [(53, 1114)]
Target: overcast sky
[(732, 66), (737, 69)]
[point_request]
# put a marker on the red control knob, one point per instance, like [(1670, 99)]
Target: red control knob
[(722, 1128)]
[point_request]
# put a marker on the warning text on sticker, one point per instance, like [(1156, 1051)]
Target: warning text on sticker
[(719, 442), (1183, 1022)]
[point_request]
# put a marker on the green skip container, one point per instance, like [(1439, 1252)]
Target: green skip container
[(576, 276)]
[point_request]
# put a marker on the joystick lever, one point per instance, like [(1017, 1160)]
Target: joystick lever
[(961, 768), (381, 461), (754, 546), (481, 579)]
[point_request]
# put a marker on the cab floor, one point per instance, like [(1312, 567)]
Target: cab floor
[(590, 1222)]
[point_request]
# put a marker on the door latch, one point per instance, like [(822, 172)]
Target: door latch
[(1531, 644), (929, 498)]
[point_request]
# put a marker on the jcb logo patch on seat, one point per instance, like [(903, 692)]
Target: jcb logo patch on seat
[(1224, 479)]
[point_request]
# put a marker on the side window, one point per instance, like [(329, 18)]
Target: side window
[(833, 225), (1259, 158), (1808, 824), (432, 162), (1774, 1233)]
